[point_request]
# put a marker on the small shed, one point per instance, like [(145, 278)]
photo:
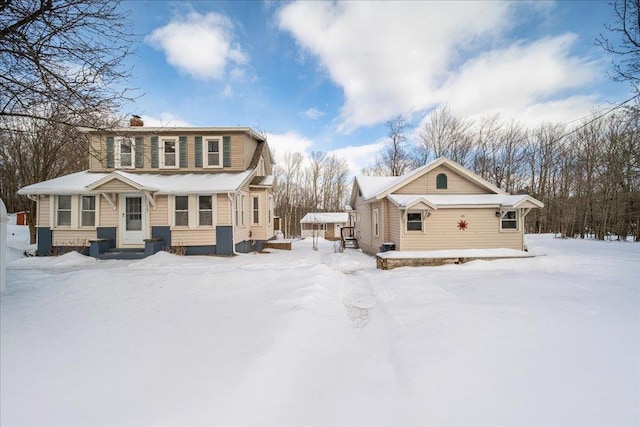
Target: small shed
[(324, 224)]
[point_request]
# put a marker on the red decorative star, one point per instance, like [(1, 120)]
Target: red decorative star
[(462, 225)]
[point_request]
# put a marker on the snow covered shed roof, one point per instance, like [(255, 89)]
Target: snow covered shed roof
[(325, 217), (90, 182)]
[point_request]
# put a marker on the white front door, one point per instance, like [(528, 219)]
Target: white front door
[(133, 224)]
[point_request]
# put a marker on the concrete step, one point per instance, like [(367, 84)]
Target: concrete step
[(123, 253)]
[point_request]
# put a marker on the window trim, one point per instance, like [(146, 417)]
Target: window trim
[(445, 181), (175, 211), (212, 210), (422, 227), (117, 160), (376, 222), (82, 211), (161, 145), (503, 214), (58, 210), (255, 210), (205, 152)]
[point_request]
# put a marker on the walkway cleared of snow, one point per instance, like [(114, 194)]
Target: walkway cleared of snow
[(317, 338)]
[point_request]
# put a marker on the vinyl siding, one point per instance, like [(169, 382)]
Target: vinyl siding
[(442, 232), (242, 147), (241, 232), (223, 210), (108, 215), (393, 223), (73, 237), (258, 231), (44, 213), (160, 215), (456, 184), (193, 237), (363, 226), (115, 186)]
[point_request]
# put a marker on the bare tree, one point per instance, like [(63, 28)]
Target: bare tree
[(63, 53), (625, 44), (33, 150), (444, 134), (395, 158)]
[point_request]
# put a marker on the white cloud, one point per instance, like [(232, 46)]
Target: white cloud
[(288, 142), (388, 56), (227, 92), (408, 57), (358, 156), (165, 120), (520, 80), (199, 45), (313, 113)]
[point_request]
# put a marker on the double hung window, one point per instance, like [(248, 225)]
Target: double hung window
[(212, 152), (88, 211), (205, 211), (169, 149), (181, 210), (509, 220), (414, 221), (126, 152), (256, 210), (63, 211)]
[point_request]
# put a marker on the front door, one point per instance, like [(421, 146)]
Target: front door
[(133, 220)]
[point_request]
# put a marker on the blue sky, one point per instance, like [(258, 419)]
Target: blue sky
[(327, 75)]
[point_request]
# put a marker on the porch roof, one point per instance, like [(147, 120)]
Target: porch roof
[(464, 200), (88, 182), (325, 217)]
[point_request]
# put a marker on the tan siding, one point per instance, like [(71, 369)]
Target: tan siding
[(456, 184), (73, 237), (44, 204), (193, 237), (115, 186), (442, 232), (108, 215), (393, 223), (223, 210), (241, 153), (263, 230), (376, 242), (160, 215), (241, 232)]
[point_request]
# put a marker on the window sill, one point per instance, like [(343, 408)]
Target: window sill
[(212, 166)]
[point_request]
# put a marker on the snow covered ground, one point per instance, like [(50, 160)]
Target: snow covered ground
[(317, 338)]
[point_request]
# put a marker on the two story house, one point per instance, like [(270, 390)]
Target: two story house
[(441, 205), (205, 189)]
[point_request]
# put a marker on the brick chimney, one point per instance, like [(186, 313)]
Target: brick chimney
[(135, 121)]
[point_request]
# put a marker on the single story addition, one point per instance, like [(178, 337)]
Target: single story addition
[(439, 206), (324, 224)]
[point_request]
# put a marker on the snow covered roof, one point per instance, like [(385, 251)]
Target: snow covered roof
[(380, 186), (263, 181), (457, 200), (89, 182), (325, 217)]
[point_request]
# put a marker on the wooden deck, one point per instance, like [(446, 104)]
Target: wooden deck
[(393, 259), (284, 245)]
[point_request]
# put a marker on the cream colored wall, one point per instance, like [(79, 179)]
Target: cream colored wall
[(223, 211), (456, 184), (108, 215), (44, 213), (241, 232), (72, 237), (249, 148), (159, 216), (442, 232), (193, 237), (239, 159), (263, 230), (115, 186), (393, 223)]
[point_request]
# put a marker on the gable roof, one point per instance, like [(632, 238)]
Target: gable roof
[(376, 187)]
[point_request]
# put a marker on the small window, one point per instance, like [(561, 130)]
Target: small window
[(205, 211), (126, 153), (256, 210), (376, 226), (270, 213), (212, 152), (169, 153), (64, 211), (441, 182), (88, 211), (414, 222), (240, 209), (509, 220), (181, 211)]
